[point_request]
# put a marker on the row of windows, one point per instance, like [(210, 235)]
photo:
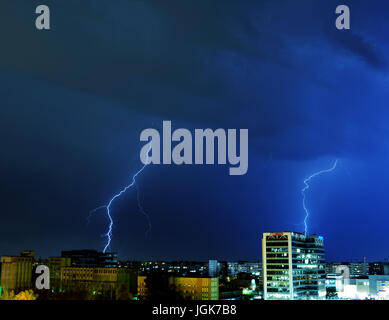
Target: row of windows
[(278, 254), (278, 278), (278, 261), (308, 249), (277, 266), (283, 290), (277, 272), (277, 249), (277, 243)]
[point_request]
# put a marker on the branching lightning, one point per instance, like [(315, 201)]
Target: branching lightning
[(141, 209), (306, 182), (107, 207)]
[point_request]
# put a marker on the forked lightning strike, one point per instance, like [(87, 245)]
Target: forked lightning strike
[(306, 182), (107, 207)]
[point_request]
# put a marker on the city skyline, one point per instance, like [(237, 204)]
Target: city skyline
[(293, 268), (259, 259)]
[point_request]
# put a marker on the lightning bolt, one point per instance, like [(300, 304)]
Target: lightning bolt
[(107, 207), (141, 209), (306, 182)]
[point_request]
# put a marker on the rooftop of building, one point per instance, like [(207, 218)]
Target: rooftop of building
[(314, 235)]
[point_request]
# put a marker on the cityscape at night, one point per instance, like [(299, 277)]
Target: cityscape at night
[(194, 158), (293, 267)]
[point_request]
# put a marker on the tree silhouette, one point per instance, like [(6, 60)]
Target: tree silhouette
[(158, 288), (23, 295)]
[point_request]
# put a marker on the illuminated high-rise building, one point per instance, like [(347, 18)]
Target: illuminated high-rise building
[(293, 266)]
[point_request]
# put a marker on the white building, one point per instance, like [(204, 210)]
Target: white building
[(293, 266)]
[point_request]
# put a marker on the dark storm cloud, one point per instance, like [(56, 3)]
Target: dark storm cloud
[(180, 60), (210, 63), (141, 42), (359, 46), (74, 100)]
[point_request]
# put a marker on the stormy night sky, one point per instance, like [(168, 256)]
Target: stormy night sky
[(75, 99)]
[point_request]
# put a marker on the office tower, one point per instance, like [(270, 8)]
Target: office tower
[(16, 272), (293, 266)]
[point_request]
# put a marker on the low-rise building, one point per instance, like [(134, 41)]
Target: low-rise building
[(16, 271), (354, 269), (355, 289), (379, 268), (379, 287), (102, 282), (55, 264)]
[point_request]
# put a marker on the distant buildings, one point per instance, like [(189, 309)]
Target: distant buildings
[(355, 288), (375, 287), (91, 258), (213, 268), (252, 267), (354, 269), (358, 280), (177, 268), (16, 272), (379, 268), (379, 287), (293, 266)]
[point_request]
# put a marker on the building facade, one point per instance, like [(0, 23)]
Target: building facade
[(100, 282), (16, 272), (354, 269), (55, 264), (378, 268), (213, 268), (379, 287), (293, 266)]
